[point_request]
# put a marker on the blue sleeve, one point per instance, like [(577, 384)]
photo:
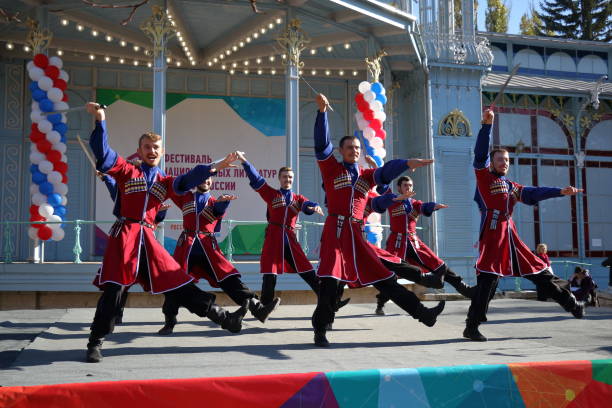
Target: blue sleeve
[(98, 141), (481, 149), (389, 171), (192, 178), (428, 208), (323, 146), (111, 185), (381, 203), (532, 195), (383, 189), (255, 179), (307, 204), (160, 216), (220, 207)]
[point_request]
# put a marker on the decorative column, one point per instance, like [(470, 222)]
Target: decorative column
[(159, 29), (293, 40)]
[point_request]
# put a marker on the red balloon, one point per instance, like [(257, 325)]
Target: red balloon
[(54, 156), (60, 83), (34, 210), (65, 98), (381, 133), (376, 124), (60, 166), (34, 127), (359, 98), (64, 179), (44, 233), (43, 145), (36, 136), (362, 106), (368, 114), (41, 61), (52, 71), (35, 218)]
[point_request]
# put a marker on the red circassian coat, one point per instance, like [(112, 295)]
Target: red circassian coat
[(403, 218), (281, 223), (122, 255), (202, 228), (498, 233), (345, 254)]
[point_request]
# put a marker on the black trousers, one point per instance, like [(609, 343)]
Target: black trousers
[(449, 276), (268, 283), (232, 285), (326, 305), (189, 296)]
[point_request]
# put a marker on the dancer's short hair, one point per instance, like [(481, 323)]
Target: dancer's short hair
[(154, 137), (282, 169), (341, 143), (494, 151), (402, 179)]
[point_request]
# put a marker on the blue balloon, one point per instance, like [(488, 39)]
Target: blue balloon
[(54, 199), (370, 150), (63, 139), (34, 168), (59, 210), (46, 188), (39, 95), (372, 237), (61, 128), (39, 178), (376, 87), (382, 98), (378, 160), (55, 118), (33, 86), (46, 105)]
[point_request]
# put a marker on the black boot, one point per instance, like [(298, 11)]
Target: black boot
[(575, 307), (433, 280), (463, 289), (94, 355), (228, 321), (471, 332), (428, 316), (261, 311), (319, 339), (169, 326), (342, 303), (380, 310)]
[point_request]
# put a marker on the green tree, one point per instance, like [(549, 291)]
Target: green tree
[(578, 19), (496, 16), (531, 24)]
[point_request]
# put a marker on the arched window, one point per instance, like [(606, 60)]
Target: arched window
[(592, 64), (499, 57), (529, 59), (560, 61)]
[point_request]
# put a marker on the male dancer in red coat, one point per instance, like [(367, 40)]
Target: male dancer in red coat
[(345, 255), (404, 242), (197, 251), (133, 254), (502, 253)]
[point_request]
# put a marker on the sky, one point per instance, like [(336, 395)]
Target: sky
[(518, 8)]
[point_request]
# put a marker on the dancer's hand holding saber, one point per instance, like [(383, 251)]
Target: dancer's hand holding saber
[(322, 102), (488, 116), (318, 93), (96, 110)]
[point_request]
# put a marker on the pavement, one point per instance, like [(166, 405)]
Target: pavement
[(48, 346)]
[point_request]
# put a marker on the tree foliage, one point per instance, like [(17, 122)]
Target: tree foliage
[(578, 19), (496, 16)]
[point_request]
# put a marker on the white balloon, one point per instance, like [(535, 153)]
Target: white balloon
[(36, 157), (61, 105), (33, 148), (64, 158), (382, 90), (64, 118), (60, 147), (45, 210), (55, 94), (369, 96), (57, 234), (30, 65), (54, 218), (45, 83), (33, 189), (45, 166), (64, 75), (64, 199), (53, 137), (374, 217), (39, 199), (380, 152), (55, 177), (61, 189), (380, 115), (363, 124), (368, 133), (376, 143), (35, 74), (36, 117), (45, 126), (35, 106), (33, 233), (364, 87), (376, 106), (57, 61)]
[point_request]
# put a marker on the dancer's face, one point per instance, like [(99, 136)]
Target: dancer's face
[(150, 152), (205, 186), (501, 163), (406, 187), (286, 179), (350, 150)]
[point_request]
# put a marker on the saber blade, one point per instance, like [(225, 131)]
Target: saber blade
[(315, 91), (87, 153), (503, 87), (78, 108)]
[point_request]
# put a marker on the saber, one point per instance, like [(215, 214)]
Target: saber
[(315, 91), (91, 160), (503, 88), (78, 108)]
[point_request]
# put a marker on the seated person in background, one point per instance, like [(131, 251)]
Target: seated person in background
[(583, 287)]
